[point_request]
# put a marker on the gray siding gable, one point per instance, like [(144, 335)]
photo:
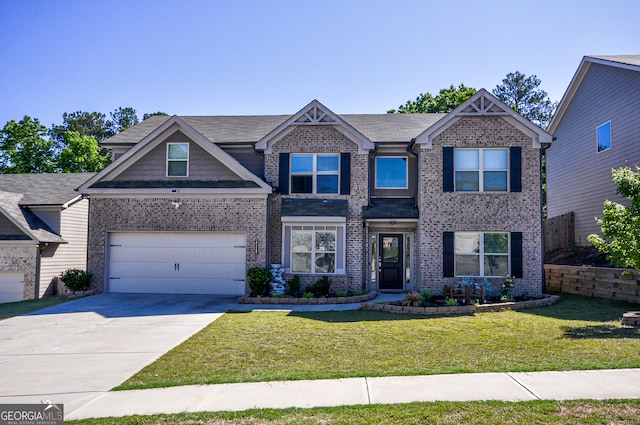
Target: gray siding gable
[(152, 166), (578, 177)]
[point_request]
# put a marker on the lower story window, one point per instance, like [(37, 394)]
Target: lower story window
[(314, 249), (481, 254)]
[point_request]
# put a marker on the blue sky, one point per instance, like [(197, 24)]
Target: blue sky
[(197, 57)]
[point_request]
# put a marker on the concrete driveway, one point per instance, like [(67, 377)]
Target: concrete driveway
[(69, 351)]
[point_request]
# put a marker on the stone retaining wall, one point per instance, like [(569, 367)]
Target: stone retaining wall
[(298, 301), (601, 282), (461, 309)]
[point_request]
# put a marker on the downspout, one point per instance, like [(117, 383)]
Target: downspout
[(544, 279), (36, 283)]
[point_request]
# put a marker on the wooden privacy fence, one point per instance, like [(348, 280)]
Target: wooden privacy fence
[(601, 282), (559, 232)]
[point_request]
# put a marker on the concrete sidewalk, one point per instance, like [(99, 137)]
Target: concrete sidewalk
[(597, 384)]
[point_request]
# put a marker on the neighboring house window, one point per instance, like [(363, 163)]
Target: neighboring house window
[(391, 173), (314, 249), (604, 136), (315, 173), (481, 254), (177, 159), (481, 170)]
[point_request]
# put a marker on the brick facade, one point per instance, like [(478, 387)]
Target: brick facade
[(209, 214), (21, 258), (323, 139), (501, 212)]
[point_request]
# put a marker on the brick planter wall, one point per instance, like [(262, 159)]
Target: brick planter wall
[(601, 282)]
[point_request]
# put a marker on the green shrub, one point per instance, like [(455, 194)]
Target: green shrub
[(76, 279), (293, 286), (259, 279), (323, 286), (412, 299)]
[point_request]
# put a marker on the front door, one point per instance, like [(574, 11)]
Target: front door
[(391, 261)]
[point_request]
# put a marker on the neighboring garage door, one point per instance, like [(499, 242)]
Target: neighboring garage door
[(11, 286), (177, 262)]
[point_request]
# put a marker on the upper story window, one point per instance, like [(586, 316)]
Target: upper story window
[(315, 173), (481, 254), (481, 170), (391, 173), (604, 136), (177, 159)]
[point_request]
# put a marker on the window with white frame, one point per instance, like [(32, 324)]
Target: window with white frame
[(314, 249), (391, 173), (481, 254), (481, 170), (603, 134), (315, 173), (177, 159)]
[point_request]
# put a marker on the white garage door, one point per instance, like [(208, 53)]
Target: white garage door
[(177, 263), (11, 286)]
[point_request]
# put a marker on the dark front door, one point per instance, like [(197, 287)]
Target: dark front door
[(391, 261)]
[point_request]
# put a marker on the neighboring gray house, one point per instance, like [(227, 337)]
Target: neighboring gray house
[(378, 201), (43, 231), (596, 128)]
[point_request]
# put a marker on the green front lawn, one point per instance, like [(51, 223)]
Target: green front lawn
[(23, 307), (575, 333), (622, 412)]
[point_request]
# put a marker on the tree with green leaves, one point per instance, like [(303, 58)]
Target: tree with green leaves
[(25, 147), (123, 118), (620, 224), (81, 153), (523, 94), (445, 101), (149, 115), (93, 124)]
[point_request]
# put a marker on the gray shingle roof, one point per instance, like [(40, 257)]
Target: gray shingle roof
[(391, 208), (625, 59), (33, 227), (44, 189), (314, 207), (252, 128)]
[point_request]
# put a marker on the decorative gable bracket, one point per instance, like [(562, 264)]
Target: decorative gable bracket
[(315, 116), (315, 113), (485, 104), (482, 106)]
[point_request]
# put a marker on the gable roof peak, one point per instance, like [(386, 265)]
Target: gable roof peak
[(629, 62), (484, 103), (314, 113)]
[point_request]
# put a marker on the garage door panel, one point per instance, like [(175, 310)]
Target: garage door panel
[(11, 286), (177, 262)]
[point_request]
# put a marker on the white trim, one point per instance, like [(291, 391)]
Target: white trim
[(598, 151), (168, 160), (314, 173), (312, 220), (339, 243), (481, 170), (481, 253), (387, 220)]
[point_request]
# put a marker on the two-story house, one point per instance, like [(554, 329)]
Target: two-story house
[(43, 232), (378, 201), (596, 128)]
